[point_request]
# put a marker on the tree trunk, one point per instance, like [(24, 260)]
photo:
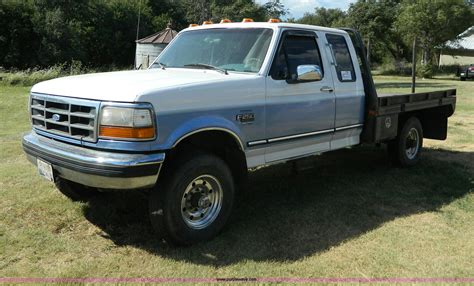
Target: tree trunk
[(426, 56), (368, 52)]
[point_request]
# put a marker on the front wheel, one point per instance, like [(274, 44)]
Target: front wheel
[(405, 150), (194, 201)]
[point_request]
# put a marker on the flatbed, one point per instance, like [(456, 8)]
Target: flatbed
[(387, 113)]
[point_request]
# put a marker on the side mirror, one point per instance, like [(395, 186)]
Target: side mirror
[(305, 73)]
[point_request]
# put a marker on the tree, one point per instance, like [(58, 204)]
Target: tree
[(324, 17), (433, 22), (375, 20), (18, 38), (275, 9), (42, 33), (237, 10), (197, 11)]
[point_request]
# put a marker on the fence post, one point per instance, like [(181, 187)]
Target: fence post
[(413, 67)]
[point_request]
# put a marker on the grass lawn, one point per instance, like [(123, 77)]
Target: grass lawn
[(352, 215)]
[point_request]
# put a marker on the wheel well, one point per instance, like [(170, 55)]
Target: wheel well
[(218, 142), (434, 121)]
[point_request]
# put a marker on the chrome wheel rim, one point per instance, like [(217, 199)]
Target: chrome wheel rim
[(201, 202), (412, 144)]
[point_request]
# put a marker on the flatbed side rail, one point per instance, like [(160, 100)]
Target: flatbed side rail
[(391, 104), (431, 108)]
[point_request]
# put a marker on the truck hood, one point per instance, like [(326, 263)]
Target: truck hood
[(126, 86)]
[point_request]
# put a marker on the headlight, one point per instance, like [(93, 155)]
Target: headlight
[(126, 123)]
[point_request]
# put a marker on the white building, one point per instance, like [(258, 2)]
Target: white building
[(150, 47), (459, 52)]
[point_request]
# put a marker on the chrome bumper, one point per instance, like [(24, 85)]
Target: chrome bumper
[(107, 170)]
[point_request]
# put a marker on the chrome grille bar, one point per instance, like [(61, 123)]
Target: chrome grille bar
[(69, 117)]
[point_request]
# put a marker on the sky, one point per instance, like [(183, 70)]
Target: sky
[(299, 7)]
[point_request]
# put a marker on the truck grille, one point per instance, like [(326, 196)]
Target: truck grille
[(69, 117)]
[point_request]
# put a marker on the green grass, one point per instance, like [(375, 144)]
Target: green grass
[(352, 215)]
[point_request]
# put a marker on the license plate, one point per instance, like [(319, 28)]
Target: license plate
[(45, 170)]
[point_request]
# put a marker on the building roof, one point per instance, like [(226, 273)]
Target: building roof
[(163, 37), (465, 41)]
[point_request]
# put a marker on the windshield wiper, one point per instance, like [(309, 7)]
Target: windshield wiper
[(211, 67), (162, 65)]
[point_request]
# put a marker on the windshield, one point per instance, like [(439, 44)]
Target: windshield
[(231, 49)]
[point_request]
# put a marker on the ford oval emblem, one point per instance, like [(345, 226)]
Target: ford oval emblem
[(56, 117)]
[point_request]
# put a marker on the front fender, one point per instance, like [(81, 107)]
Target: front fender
[(204, 123)]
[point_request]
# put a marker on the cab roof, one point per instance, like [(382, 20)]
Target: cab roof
[(265, 25)]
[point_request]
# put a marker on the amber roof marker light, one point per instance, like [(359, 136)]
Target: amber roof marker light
[(274, 20), (207, 23), (223, 21), (247, 20), (193, 25)]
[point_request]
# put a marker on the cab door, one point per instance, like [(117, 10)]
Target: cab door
[(349, 90), (299, 115)]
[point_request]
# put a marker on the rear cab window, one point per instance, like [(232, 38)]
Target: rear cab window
[(341, 57)]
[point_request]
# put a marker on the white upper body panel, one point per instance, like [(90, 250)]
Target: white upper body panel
[(274, 26), (129, 86), (187, 99)]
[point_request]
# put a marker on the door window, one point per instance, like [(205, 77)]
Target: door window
[(294, 51), (342, 58)]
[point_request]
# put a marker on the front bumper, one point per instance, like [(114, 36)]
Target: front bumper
[(467, 74), (107, 170)]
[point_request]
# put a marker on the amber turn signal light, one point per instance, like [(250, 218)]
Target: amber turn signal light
[(127, 132)]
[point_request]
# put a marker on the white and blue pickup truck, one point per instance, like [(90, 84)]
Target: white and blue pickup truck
[(221, 99)]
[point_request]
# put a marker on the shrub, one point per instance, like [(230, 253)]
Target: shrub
[(403, 68), (450, 69), (31, 77), (425, 71), (76, 68), (395, 68)]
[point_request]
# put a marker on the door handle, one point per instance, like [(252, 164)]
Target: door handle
[(327, 89)]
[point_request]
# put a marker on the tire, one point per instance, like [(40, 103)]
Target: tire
[(194, 200), (405, 150), (462, 79), (74, 191)]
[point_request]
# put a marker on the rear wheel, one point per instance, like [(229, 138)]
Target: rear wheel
[(463, 79), (405, 150), (194, 201), (74, 191)]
